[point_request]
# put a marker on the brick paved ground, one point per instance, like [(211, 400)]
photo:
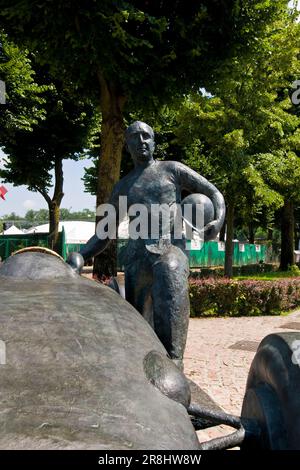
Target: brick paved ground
[(222, 372)]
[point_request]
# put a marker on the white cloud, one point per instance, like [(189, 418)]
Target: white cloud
[(29, 204)]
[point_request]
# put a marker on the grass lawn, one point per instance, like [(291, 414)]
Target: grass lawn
[(273, 276)]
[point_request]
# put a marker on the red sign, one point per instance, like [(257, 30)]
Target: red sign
[(3, 191)]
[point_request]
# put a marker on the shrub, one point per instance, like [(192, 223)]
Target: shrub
[(294, 270), (215, 296)]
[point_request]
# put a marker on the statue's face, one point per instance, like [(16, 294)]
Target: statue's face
[(140, 142)]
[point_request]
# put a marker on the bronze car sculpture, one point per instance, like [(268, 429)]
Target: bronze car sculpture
[(84, 370)]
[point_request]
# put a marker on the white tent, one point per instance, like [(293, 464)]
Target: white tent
[(78, 231), (75, 231), (13, 230)]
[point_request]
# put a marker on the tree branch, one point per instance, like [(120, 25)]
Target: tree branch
[(44, 194)]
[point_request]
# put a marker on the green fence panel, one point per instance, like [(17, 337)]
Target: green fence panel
[(11, 243), (63, 247), (248, 254), (211, 254), (69, 247)]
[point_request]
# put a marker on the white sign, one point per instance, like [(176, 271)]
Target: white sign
[(242, 247), (221, 246), (257, 248), (196, 244)]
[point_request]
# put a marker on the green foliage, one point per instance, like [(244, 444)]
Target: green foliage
[(151, 54), (243, 131), (272, 276), (41, 216), (279, 170), (90, 177), (294, 270), (37, 217), (86, 215), (24, 97), (248, 116), (243, 298), (158, 48), (246, 271), (65, 132), (11, 216)]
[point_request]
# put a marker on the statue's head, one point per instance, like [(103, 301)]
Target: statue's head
[(140, 142)]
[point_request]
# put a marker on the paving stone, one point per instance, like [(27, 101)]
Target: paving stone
[(219, 371)]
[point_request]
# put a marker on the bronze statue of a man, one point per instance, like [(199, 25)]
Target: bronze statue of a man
[(156, 268)]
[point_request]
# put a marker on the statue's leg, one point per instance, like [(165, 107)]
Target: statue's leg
[(138, 283), (171, 307)]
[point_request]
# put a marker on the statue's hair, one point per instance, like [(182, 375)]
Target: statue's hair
[(136, 125)]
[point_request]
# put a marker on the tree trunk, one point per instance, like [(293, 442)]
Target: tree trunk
[(270, 234), (54, 204), (296, 234), (251, 233), (271, 256), (222, 232), (287, 256), (112, 142), (53, 226), (229, 243)]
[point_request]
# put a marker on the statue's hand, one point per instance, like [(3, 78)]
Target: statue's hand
[(76, 261), (211, 230)]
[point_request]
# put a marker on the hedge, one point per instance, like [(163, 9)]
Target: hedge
[(215, 296)]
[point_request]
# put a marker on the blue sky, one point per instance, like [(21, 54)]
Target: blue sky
[(20, 200)]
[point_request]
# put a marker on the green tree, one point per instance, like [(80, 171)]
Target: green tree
[(224, 136), (248, 114), (13, 218), (130, 54), (281, 171), (41, 216), (64, 133), (37, 217), (85, 214), (24, 105)]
